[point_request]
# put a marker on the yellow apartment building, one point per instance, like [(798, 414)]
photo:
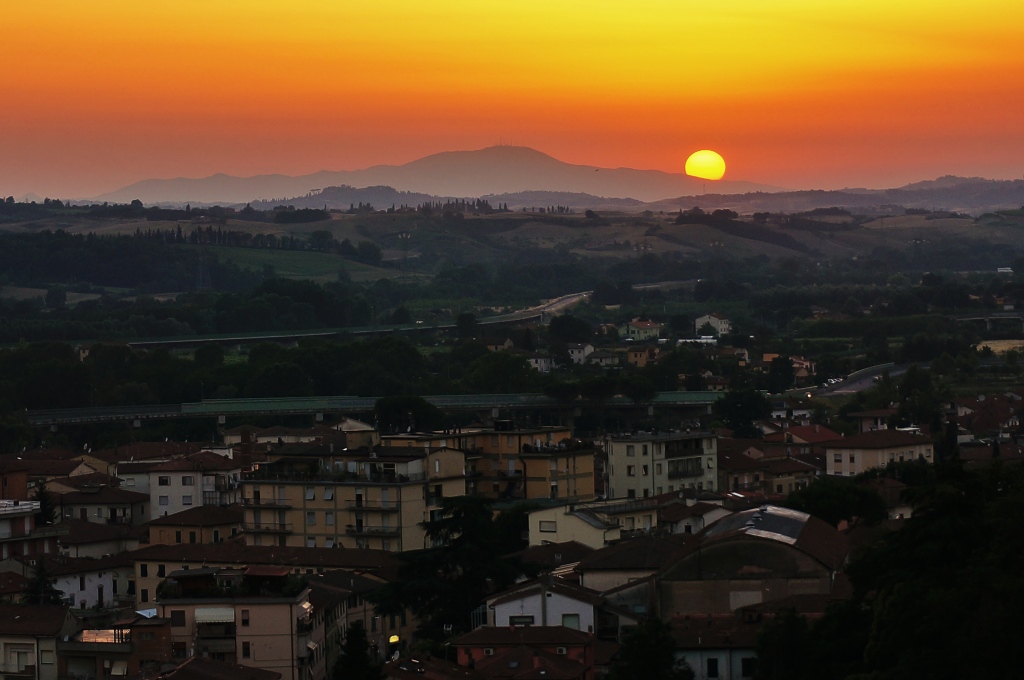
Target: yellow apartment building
[(364, 499)]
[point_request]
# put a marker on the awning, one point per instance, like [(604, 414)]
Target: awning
[(119, 668), (215, 615)]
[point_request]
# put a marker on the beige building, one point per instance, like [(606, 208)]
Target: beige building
[(257, 616), (28, 640), (208, 524), (360, 499), (593, 524), (645, 464), (493, 460), (868, 450)]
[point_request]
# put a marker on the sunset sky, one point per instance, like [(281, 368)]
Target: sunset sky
[(795, 93)]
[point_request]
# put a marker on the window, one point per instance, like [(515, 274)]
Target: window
[(144, 570), (644, 470), (643, 450), (164, 500), (310, 542), (437, 465), (748, 666), (520, 620), (571, 621), (631, 471), (188, 480), (81, 583), (144, 596), (163, 481), (246, 650), (329, 518), (186, 499), (712, 668), (216, 535), (177, 618), (310, 518), (837, 458), (191, 537), (130, 481), (244, 617), (631, 494), (630, 450), (778, 488), (177, 537), (45, 657), (548, 526), (853, 458), (161, 570), (310, 493), (178, 649), (657, 469), (329, 543)]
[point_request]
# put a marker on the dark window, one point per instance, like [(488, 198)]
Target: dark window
[(245, 617), (747, 667), (191, 537), (144, 596), (245, 650), (161, 570), (177, 537), (712, 668), (178, 650), (144, 570), (520, 620), (177, 618), (81, 583)]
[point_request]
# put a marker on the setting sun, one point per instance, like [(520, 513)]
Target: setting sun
[(705, 164)]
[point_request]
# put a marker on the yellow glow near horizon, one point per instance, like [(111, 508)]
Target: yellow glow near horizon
[(705, 164), (111, 91)]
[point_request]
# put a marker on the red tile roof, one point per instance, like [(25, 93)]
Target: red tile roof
[(878, 439), (42, 620)]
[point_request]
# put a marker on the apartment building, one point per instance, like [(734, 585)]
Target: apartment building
[(645, 464), (363, 499), (495, 466), (852, 455), (256, 616), (19, 534), (202, 478)]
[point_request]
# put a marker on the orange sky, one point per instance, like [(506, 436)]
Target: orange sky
[(796, 93)]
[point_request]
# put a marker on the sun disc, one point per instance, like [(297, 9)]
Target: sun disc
[(705, 164)]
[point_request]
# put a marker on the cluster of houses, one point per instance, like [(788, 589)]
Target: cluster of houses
[(252, 557)]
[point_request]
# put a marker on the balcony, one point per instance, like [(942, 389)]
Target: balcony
[(373, 506), (267, 502), (364, 530), (268, 528)]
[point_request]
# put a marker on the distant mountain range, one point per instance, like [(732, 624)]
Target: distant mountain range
[(464, 174), (522, 178)]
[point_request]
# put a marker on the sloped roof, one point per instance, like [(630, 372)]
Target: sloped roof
[(714, 632), (90, 479), (810, 434), (235, 553), (32, 619), (529, 588), (202, 516), (493, 636), (102, 495), (52, 468), (642, 553), (202, 668), (201, 461), (551, 555), (878, 439), (146, 451)]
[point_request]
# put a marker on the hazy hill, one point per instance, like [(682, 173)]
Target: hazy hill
[(494, 170), (958, 194)]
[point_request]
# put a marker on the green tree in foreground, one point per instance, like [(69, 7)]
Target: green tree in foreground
[(355, 662), (40, 588), (649, 653), (47, 506)]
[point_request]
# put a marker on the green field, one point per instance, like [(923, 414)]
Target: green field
[(299, 264)]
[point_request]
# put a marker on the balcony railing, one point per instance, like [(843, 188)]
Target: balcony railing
[(376, 506), (268, 528), (267, 502), (352, 530), (338, 477)]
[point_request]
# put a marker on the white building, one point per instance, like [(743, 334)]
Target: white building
[(718, 322), (647, 464)]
